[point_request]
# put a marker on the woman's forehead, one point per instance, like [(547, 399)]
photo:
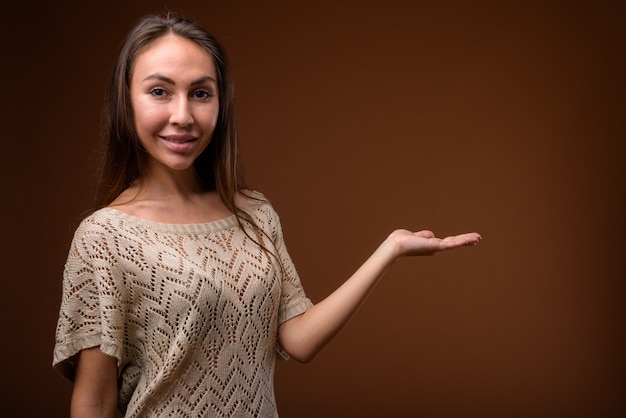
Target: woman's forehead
[(174, 53)]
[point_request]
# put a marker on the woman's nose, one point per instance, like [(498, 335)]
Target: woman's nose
[(181, 112)]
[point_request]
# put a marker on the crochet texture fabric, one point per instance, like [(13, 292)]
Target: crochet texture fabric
[(190, 311)]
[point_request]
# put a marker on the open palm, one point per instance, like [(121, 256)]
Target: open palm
[(426, 243)]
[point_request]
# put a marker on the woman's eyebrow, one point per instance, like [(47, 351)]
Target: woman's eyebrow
[(161, 77)]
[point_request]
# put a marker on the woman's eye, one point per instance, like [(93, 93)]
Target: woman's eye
[(158, 92), (202, 94)]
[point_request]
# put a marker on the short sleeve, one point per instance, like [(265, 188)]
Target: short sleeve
[(90, 314), (293, 300)]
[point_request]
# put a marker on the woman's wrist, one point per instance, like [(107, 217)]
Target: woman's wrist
[(392, 247)]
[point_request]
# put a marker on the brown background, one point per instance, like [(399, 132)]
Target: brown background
[(356, 118)]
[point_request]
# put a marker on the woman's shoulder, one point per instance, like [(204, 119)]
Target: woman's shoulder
[(98, 228), (253, 200), (262, 211), (247, 197), (99, 219)]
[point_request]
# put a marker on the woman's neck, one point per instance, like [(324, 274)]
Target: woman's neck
[(171, 198)]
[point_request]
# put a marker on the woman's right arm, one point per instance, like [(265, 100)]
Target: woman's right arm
[(95, 385)]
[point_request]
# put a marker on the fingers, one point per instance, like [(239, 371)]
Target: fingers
[(425, 234), (471, 239), (461, 240)]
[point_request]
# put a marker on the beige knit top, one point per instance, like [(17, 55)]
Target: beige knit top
[(190, 311)]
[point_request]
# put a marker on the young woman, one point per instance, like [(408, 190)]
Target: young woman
[(178, 291)]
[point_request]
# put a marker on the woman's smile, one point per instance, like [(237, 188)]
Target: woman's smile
[(179, 143)]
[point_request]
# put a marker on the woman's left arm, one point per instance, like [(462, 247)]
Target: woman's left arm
[(303, 336)]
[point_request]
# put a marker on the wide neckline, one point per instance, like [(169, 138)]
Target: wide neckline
[(202, 227)]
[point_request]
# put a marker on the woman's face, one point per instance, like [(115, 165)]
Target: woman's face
[(174, 95)]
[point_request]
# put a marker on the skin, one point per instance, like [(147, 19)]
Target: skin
[(175, 99), (95, 386)]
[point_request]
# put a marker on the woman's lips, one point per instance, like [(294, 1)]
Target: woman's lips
[(179, 143)]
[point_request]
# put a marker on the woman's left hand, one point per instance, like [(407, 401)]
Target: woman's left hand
[(407, 243)]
